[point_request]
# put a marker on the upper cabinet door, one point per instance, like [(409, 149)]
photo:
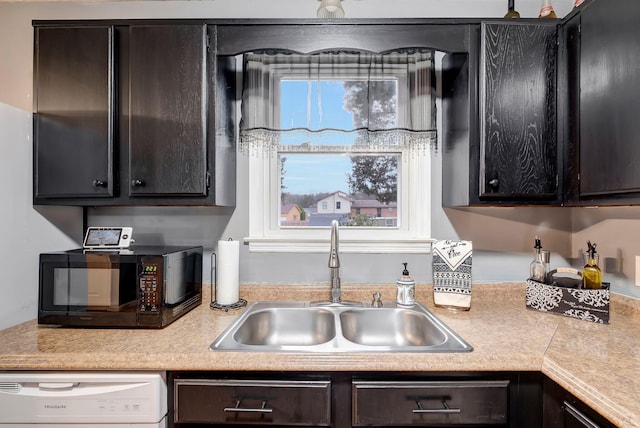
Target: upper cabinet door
[(167, 146), (609, 86), (73, 127), (518, 147)]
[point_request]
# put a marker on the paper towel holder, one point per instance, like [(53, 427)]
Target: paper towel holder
[(214, 284)]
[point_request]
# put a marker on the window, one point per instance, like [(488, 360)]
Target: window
[(344, 136)]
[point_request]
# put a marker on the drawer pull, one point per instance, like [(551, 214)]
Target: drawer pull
[(445, 409), (239, 409)]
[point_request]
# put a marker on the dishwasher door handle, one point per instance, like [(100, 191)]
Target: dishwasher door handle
[(53, 386)]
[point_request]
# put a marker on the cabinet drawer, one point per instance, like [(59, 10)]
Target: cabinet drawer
[(301, 403), (429, 403)]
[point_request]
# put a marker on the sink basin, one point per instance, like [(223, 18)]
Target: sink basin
[(390, 327), (286, 327), (306, 327)]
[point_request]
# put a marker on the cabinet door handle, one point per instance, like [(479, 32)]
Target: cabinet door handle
[(99, 183), (137, 183), (445, 409), (579, 416), (239, 409), (494, 183)]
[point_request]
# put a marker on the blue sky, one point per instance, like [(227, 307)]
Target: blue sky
[(314, 173)]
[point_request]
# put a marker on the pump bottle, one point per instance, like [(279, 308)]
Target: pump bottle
[(538, 270), (406, 289)]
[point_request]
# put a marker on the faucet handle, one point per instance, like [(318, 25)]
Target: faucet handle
[(376, 303)]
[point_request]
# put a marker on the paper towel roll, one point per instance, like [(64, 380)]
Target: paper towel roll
[(228, 272)]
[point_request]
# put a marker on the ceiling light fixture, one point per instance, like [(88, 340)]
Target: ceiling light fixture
[(330, 9)]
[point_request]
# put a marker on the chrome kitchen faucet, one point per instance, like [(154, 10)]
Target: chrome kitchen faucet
[(334, 263)]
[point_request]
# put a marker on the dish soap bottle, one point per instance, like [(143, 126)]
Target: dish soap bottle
[(406, 289), (537, 270), (591, 273)]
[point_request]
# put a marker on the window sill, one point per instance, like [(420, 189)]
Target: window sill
[(363, 246)]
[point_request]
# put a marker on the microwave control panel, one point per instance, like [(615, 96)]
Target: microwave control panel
[(149, 282)]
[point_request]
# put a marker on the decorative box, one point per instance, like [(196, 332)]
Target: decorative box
[(587, 305)]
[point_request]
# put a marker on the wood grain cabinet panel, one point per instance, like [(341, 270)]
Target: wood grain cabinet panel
[(253, 402), (518, 148), (430, 403), (73, 128), (167, 146), (609, 87)]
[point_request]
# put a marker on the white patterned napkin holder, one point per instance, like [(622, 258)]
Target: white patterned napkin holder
[(451, 262)]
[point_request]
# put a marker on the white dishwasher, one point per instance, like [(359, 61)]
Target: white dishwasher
[(83, 399)]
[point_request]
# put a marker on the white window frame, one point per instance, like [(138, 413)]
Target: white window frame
[(413, 235)]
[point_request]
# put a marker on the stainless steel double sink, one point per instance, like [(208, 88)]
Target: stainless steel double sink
[(306, 327)]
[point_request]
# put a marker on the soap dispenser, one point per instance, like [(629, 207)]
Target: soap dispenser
[(406, 289)]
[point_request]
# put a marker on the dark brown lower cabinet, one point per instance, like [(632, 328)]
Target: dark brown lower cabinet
[(303, 402), (341, 399), (459, 402), (563, 410)]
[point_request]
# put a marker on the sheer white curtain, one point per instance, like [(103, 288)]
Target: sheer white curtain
[(390, 97)]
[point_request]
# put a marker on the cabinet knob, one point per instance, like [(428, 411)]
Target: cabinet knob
[(137, 183), (99, 183), (494, 183)]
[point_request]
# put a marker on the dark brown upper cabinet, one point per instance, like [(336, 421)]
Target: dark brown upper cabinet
[(533, 111), (167, 121), (126, 115), (500, 144), (73, 123), (604, 87), (518, 148)]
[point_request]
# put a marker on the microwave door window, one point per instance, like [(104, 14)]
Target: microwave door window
[(68, 290), (92, 288), (82, 287)]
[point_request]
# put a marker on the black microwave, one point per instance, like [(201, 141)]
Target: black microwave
[(140, 287)]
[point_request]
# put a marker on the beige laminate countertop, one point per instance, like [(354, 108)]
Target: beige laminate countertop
[(597, 363)]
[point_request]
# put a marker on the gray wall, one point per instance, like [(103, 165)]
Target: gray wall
[(25, 231), (502, 236)]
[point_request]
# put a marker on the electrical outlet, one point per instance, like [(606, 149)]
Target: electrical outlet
[(638, 271)]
